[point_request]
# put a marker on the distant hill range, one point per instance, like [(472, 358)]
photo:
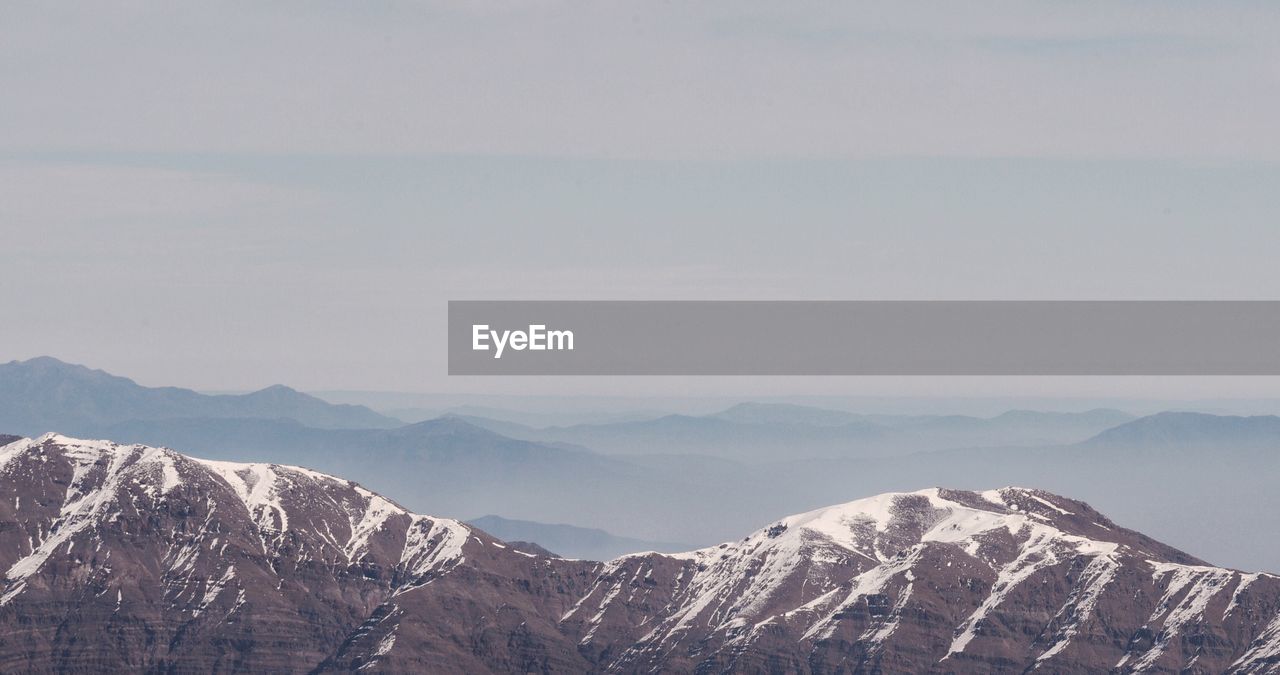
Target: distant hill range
[(1204, 483), (769, 431), (1193, 430), (45, 394), (569, 541)]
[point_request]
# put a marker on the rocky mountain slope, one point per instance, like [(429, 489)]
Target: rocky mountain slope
[(130, 558)]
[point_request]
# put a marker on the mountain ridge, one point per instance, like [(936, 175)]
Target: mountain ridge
[(1193, 429), (752, 431), (44, 393), (111, 543)]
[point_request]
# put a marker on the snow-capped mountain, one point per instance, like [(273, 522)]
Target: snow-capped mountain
[(936, 580), (131, 558)]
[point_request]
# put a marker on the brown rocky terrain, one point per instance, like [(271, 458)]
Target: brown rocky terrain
[(136, 559)]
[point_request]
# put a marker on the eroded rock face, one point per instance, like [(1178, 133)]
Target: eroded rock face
[(129, 558)]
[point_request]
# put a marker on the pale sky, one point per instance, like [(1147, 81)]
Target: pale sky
[(229, 196)]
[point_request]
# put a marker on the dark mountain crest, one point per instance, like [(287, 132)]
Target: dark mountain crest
[(135, 558)]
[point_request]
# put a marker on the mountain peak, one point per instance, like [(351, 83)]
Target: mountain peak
[(47, 362), (48, 366), (449, 423), (753, 412), (278, 388), (882, 526), (279, 393), (107, 476)]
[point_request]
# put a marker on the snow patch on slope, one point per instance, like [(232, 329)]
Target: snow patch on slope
[(258, 487), (84, 503), (377, 511), (1082, 602), (1263, 652), (433, 545), (1187, 595)]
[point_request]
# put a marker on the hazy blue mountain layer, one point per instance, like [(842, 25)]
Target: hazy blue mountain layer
[(45, 394)]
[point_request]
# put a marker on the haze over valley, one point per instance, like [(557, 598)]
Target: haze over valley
[(1201, 482)]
